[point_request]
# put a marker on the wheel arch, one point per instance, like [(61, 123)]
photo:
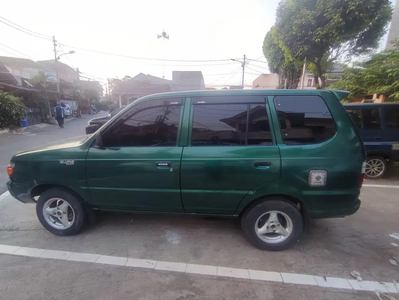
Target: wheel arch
[(41, 188), (384, 155), (297, 202)]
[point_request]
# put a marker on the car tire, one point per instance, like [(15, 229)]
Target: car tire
[(376, 167), (273, 225), (60, 212)]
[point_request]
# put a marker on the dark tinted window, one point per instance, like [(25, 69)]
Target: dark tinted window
[(356, 116), (392, 117), (365, 118), (259, 126), (371, 118), (219, 125), (304, 119), (230, 125), (152, 123)]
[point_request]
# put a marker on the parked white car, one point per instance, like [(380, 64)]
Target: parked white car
[(67, 109)]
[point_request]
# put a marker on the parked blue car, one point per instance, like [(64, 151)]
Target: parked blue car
[(378, 126)]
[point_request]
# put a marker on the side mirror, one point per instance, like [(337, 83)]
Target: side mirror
[(98, 142), (92, 129)]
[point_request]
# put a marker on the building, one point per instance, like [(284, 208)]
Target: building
[(187, 81), (394, 29), (142, 85), (266, 81), (91, 85), (68, 77)]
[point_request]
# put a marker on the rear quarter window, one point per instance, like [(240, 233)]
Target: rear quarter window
[(304, 120)]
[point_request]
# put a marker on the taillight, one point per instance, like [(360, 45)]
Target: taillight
[(10, 169), (362, 174)]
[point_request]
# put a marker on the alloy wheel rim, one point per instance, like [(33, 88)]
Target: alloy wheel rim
[(58, 213), (374, 168), (274, 227)]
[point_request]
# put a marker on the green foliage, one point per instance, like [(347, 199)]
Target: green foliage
[(325, 30), (12, 110), (280, 61), (379, 75)]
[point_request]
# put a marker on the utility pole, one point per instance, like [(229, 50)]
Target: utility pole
[(56, 69), (303, 74), (243, 63)]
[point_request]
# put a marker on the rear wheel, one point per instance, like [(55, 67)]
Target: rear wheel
[(273, 225), (376, 167), (60, 212)]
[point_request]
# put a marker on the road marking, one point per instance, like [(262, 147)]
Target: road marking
[(205, 270), (382, 186), (4, 195)]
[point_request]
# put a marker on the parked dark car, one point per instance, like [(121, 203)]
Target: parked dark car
[(378, 125), (95, 124)]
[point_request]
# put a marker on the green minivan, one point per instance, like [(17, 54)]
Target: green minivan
[(274, 158)]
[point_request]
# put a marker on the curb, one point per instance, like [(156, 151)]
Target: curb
[(4, 131)]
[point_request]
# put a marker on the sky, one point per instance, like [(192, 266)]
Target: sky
[(198, 30)]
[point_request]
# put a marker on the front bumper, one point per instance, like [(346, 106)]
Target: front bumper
[(20, 191)]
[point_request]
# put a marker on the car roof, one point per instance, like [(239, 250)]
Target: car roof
[(260, 92), (369, 104)]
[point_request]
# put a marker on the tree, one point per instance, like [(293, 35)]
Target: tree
[(42, 100), (379, 75), (113, 82), (280, 61), (324, 30), (12, 110)]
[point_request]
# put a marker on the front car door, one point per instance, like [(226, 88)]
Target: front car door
[(137, 165), (230, 151)]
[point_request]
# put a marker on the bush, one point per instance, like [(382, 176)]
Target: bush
[(12, 110)]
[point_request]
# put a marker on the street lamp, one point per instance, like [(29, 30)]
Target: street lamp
[(56, 59), (70, 52)]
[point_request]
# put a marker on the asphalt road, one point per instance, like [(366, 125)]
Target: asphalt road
[(36, 137), (364, 242)]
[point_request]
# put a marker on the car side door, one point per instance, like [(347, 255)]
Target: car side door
[(136, 166), (230, 151)]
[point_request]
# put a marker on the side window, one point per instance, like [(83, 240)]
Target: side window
[(304, 119), (392, 117), (258, 126), (219, 125), (356, 116), (230, 125), (150, 124), (371, 118)]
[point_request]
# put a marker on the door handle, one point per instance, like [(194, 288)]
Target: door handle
[(262, 164), (163, 164)]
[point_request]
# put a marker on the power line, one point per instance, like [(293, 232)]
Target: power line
[(233, 72), (16, 51), (260, 72), (146, 58), (23, 29)]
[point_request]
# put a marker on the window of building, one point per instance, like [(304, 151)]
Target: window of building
[(230, 125), (149, 124), (392, 117), (304, 119)]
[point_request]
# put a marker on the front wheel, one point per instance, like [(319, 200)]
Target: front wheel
[(60, 212), (376, 167), (273, 225)]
